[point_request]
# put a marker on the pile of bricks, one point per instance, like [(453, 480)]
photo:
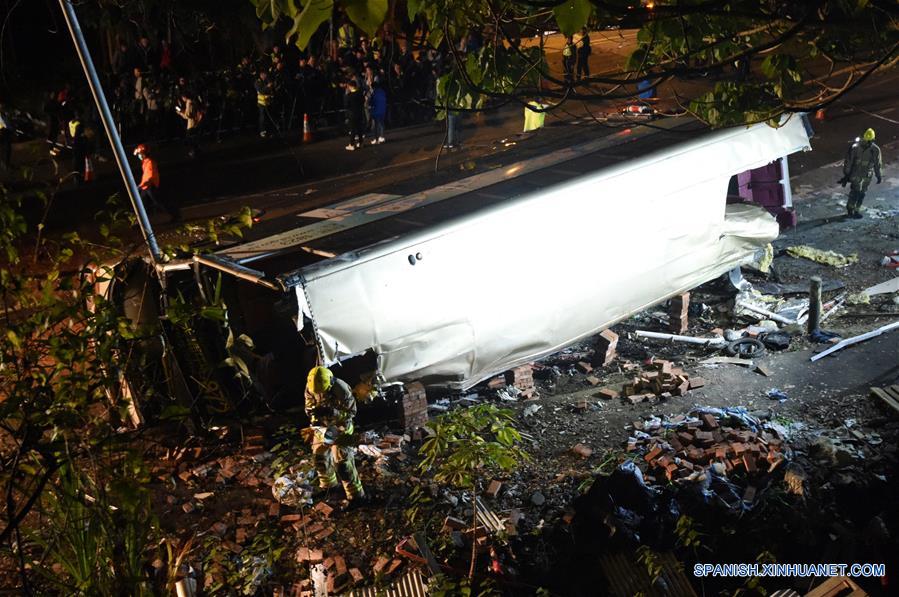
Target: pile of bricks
[(686, 451), (414, 407), (678, 309), (522, 378), (660, 383)]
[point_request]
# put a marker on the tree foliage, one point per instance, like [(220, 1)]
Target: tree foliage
[(754, 59)]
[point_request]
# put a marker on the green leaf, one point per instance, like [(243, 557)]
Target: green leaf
[(413, 7), (572, 15), (366, 14), (307, 22)]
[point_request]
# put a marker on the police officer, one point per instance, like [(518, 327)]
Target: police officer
[(862, 161), (331, 407)]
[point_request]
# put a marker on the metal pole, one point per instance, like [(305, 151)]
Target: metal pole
[(814, 304), (93, 80)]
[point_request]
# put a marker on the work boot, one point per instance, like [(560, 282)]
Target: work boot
[(360, 501)]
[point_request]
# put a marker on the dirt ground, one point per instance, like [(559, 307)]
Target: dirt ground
[(847, 513)]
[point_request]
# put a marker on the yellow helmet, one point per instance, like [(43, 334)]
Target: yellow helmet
[(319, 379), (868, 135)]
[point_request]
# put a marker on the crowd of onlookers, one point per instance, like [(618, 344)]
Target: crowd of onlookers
[(364, 85)]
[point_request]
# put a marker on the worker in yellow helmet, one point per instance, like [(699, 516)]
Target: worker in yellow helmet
[(331, 407), (862, 161)]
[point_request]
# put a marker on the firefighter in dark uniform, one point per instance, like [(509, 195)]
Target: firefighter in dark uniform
[(863, 160)]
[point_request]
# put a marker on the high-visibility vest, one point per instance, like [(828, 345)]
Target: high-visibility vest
[(533, 120), (263, 99), (73, 126), (345, 36)]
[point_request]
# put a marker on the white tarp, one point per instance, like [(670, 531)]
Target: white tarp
[(519, 281)]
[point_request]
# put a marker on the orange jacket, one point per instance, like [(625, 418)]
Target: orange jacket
[(150, 178)]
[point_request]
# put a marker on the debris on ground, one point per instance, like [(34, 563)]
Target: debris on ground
[(831, 258), (661, 383), (716, 448), (856, 339)]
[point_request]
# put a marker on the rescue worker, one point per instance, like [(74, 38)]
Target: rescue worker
[(862, 161), (149, 183), (265, 90), (80, 149), (330, 406)]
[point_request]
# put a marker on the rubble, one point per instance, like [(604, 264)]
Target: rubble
[(713, 442), (825, 257), (661, 383), (606, 348), (678, 309), (414, 406)]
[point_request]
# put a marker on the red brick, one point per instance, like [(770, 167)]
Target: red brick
[(380, 564), (653, 454), (357, 575), (582, 450), (606, 347), (494, 488), (584, 367), (594, 381)]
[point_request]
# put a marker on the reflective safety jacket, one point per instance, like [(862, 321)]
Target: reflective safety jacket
[(335, 407), (150, 174), (862, 161)]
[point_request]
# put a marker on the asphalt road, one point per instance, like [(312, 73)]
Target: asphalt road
[(284, 177)]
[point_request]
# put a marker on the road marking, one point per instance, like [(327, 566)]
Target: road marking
[(378, 210)]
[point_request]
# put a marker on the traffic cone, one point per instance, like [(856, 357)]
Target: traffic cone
[(307, 129), (820, 114), (88, 170)]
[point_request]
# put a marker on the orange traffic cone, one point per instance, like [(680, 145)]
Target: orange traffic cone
[(88, 170), (307, 129), (820, 114)]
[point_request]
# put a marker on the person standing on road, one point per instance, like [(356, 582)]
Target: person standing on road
[(149, 183), (80, 149), (188, 109), (354, 103), (583, 55), (378, 109), (265, 91), (331, 407), (568, 58), (862, 161)]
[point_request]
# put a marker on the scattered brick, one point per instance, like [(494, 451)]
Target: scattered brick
[(380, 564), (606, 348), (357, 575), (582, 450), (608, 393), (304, 554), (594, 381), (494, 488), (394, 565), (584, 367), (324, 509)]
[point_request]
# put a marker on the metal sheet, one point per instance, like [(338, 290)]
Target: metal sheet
[(453, 304)]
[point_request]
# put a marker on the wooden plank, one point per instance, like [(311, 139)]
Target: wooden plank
[(884, 397), (837, 585)]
